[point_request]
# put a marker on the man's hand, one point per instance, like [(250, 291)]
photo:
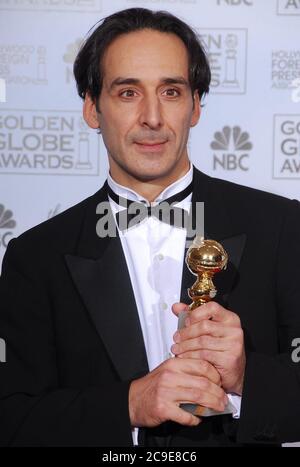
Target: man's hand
[(155, 398), (214, 334)]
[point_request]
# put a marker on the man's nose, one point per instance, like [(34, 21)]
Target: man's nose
[(151, 112)]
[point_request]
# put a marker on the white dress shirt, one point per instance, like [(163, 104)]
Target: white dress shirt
[(154, 252)]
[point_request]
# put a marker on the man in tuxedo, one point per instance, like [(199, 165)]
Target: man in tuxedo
[(90, 319)]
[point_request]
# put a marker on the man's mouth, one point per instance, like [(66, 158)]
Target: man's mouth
[(150, 146)]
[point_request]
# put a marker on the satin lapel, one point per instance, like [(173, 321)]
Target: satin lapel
[(217, 226), (100, 274)]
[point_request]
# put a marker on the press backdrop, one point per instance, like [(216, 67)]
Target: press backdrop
[(249, 130)]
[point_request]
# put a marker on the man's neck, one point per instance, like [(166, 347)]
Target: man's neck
[(150, 189)]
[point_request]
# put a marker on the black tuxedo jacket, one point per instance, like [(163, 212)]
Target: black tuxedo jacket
[(74, 340)]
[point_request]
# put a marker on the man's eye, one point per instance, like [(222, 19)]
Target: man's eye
[(128, 93), (171, 92)]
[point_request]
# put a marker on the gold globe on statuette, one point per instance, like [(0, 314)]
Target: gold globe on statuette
[(204, 258)]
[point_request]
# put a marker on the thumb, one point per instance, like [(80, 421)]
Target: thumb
[(179, 307)]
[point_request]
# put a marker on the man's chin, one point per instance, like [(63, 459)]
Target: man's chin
[(151, 174)]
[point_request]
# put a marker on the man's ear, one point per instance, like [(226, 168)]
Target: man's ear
[(90, 112), (196, 109)]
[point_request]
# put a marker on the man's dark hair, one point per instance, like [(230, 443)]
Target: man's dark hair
[(87, 66)]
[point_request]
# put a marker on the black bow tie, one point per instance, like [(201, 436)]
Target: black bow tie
[(136, 212)]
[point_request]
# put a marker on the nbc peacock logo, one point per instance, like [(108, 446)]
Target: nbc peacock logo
[(7, 223), (6, 220), (232, 148)]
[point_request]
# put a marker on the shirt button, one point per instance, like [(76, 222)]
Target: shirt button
[(164, 306), (160, 257)]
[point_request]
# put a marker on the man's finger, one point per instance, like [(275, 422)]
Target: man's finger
[(179, 307), (198, 385), (215, 357), (202, 343), (191, 367), (202, 328), (213, 311)]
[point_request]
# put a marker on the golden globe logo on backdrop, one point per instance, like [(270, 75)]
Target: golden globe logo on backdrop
[(47, 142), (288, 7), (23, 64), (286, 156), (68, 6), (227, 53)]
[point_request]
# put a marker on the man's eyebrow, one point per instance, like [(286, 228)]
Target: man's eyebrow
[(175, 80), (121, 81), (135, 81)]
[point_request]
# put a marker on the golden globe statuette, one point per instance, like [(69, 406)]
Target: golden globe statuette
[(204, 259)]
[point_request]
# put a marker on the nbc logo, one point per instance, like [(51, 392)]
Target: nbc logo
[(232, 146), (235, 2), (6, 221), (6, 224)]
